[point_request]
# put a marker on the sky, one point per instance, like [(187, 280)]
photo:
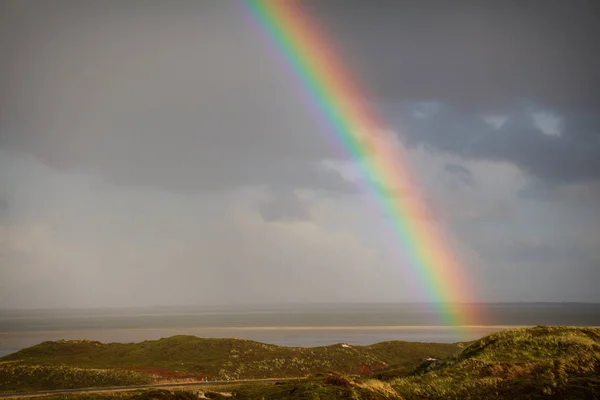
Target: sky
[(159, 153)]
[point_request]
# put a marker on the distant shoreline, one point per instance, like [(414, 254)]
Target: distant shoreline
[(289, 328), (288, 336)]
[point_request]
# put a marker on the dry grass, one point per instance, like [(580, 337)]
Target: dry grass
[(377, 386)]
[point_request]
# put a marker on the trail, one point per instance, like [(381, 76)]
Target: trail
[(136, 387)]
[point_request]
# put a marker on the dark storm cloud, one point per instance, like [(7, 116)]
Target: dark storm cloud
[(479, 54), (189, 97), (573, 155), (476, 58)]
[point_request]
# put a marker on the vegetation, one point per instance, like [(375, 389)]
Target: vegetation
[(191, 357), (331, 387), (534, 363), (334, 387), (15, 376), (155, 394), (541, 362)]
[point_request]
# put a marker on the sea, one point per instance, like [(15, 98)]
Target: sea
[(306, 325)]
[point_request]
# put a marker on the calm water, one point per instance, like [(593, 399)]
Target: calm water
[(288, 325)]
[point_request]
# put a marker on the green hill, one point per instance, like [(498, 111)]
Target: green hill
[(533, 363), (190, 357), (541, 362)]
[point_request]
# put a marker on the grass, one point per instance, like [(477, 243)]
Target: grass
[(160, 394), (221, 359), (533, 363), (16, 376), (541, 362), (331, 387), (317, 388)]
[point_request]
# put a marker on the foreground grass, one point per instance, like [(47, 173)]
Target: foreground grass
[(542, 362), (132, 395), (15, 376), (324, 388), (221, 359)]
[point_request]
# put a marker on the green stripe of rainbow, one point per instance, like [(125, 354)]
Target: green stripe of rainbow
[(341, 102)]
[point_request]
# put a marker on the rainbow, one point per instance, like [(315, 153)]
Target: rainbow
[(342, 103)]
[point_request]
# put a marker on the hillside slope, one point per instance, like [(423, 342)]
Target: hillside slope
[(541, 362), (534, 363), (196, 358), (559, 363), (15, 376)]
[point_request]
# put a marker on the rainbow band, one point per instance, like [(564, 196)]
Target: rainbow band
[(342, 103)]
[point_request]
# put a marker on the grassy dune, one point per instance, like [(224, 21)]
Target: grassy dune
[(541, 362), (193, 357), (533, 363)]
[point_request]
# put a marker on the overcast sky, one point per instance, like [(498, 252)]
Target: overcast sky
[(158, 153)]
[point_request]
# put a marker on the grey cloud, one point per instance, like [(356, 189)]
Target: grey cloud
[(477, 55), (535, 258), (284, 205), (165, 142), (540, 281), (469, 63), (573, 156), (546, 263), (526, 248), (538, 190), (74, 239), (186, 97), (3, 205), (71, 232), (462, 173)]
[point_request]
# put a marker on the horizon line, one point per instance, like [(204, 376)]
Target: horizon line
[(281, 304)]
